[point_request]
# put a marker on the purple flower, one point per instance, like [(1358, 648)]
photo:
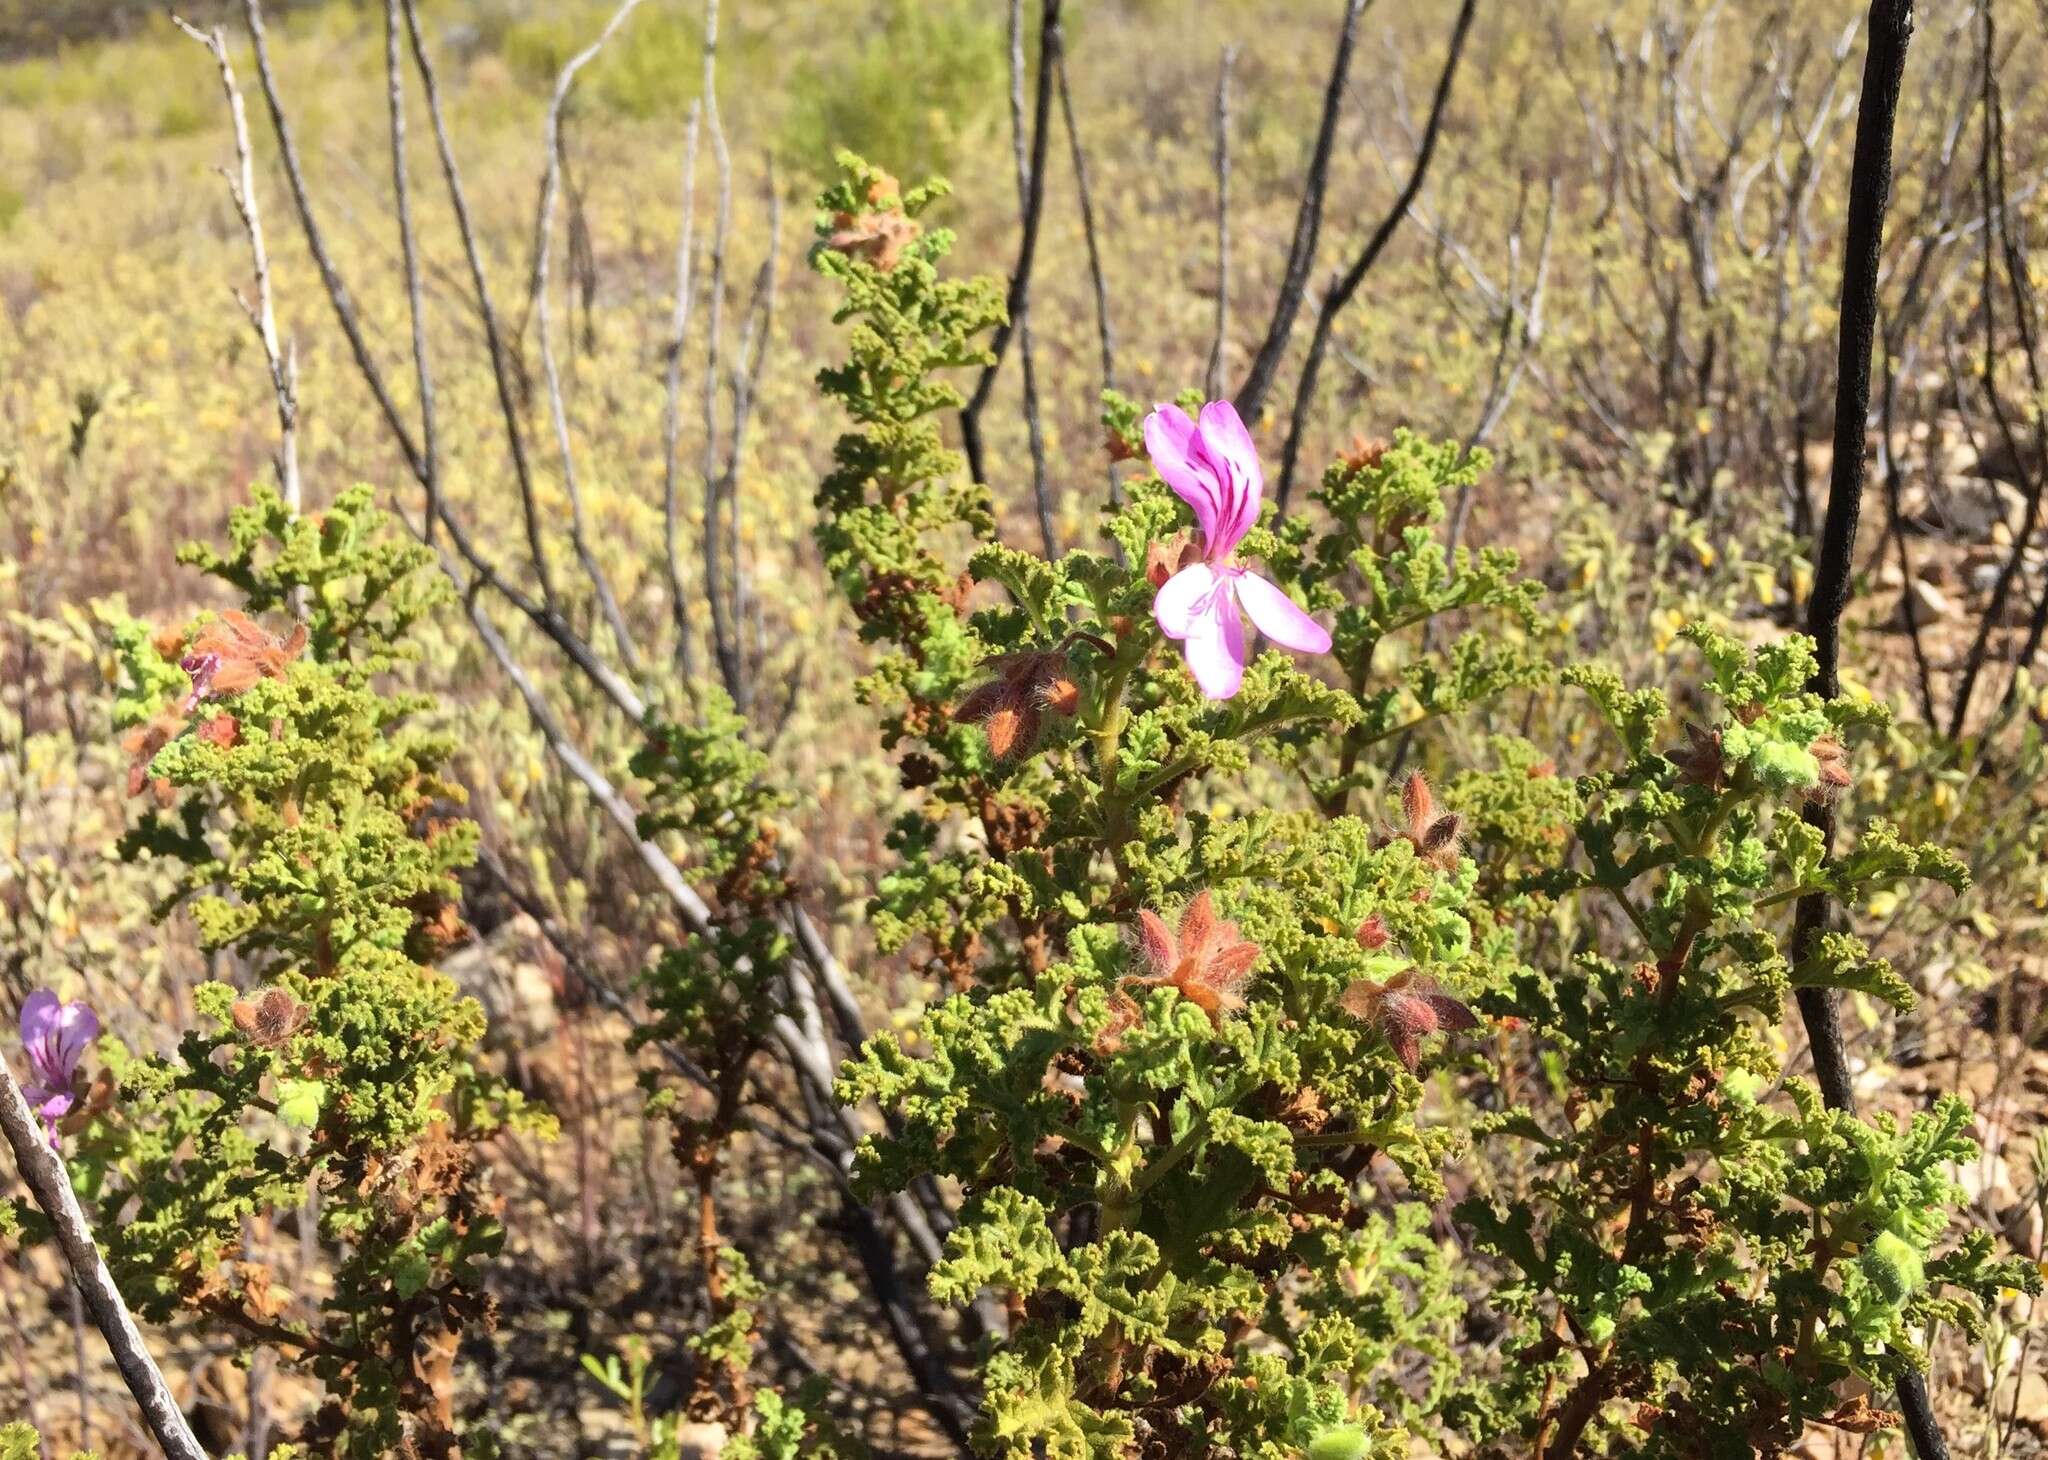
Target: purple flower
[(56, 1036), (1212, 464)]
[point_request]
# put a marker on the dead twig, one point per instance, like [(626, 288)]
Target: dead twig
[(1105, 331), (1347, 283), (42, 1171), (1029, 156), (558, 413), (281, 358), (671, 413), (1212, 378), (1308, 222), (1018, 298)]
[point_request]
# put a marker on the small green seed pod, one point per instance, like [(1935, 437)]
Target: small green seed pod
[(1893, 1267), (1346, 1442)]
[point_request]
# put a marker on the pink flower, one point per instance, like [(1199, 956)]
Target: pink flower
[(55, 1036), (1213, 466)]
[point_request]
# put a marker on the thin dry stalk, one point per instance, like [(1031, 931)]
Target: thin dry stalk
[(281, 358), (1212, 379), (1346, 284), (558, 411), (1105, 331), (1017, 301), (42, 1171), (1308, 223), (671, 413)]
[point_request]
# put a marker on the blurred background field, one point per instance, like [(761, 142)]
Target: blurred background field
[(1640, 321)]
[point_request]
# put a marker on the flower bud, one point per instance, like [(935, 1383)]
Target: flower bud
[(1345, 1442), (1892, 1267)]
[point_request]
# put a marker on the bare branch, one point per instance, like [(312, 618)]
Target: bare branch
[(671, 415), (544, 614), (543, 213), (1521, 327), (408, 241), (1019, 297), (44, 1175), (1026, 164), (316, 243), (494, 340), (1212, 379), (1105, 332), (282, 359), (1889, 465), (1890, 29), (1992, 175), (1308, 222), (725, 632), (1348, 282), (744, 389), (812, 1060), (558, 412)]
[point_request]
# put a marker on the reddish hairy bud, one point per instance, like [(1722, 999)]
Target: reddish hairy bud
[(1208, 961)]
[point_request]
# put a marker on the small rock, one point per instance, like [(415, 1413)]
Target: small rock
[(2028, 1401), (1978, 505), (1965, 508), (2000, 463), (1929, 603), (701, 1440)]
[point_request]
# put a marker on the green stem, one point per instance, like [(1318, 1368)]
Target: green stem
[(1157, 1169), (1160, 1166), (1620, 895), (1371, 1135)]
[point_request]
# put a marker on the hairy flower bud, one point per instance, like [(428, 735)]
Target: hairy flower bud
[(1699, 760), (1208, 961), (1405, 1009), (1008, 706), (1893, 1267), (1833, 761)]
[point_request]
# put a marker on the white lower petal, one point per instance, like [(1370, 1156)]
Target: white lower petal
[(1184, 602), (1279, 618)]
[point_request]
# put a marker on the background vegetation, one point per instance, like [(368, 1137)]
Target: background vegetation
[(1620, 274)]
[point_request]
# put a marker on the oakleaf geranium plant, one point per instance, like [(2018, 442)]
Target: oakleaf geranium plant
[(308, 819), (1145, 1073), (1183, 1019), (1225, 958)]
